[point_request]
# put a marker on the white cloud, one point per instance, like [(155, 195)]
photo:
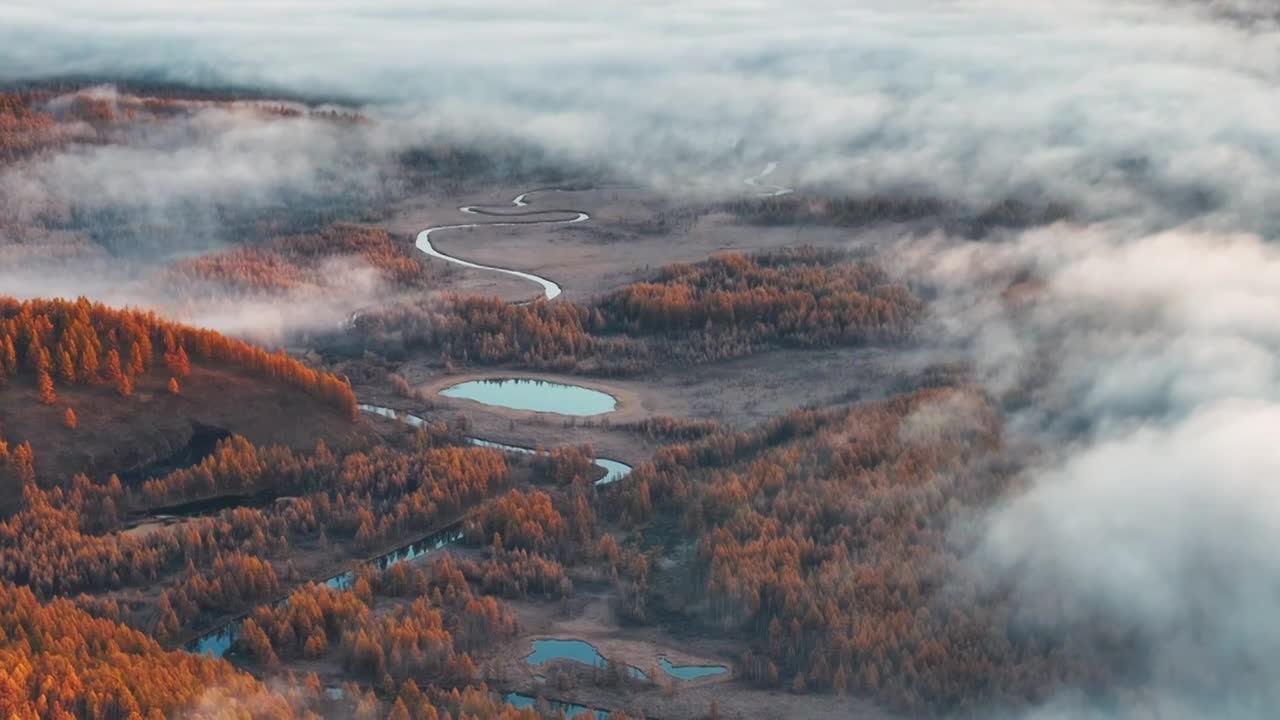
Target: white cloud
[(1117, 108)]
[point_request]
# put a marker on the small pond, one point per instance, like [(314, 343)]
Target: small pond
[(570, 710), (690, 672), (576, 650), (535, 395)]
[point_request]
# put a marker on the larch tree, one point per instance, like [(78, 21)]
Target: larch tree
[(44, 386), (66, 367)]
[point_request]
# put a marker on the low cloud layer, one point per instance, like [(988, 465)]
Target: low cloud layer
[(344, 285), (1158, 111), (182, 180), (1145, 367)]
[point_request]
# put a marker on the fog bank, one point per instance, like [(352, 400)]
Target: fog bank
[(1157, 111)]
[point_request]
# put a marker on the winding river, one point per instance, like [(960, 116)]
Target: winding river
[(550, 289), (613, 470), (764, 190)]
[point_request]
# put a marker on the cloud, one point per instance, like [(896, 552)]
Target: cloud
[(342, 285), (1145, 368), (182, 176), (1140, 109)]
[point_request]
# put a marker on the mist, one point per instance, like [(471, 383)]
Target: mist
[(179, 183), (1156, 111), (1142, 369)]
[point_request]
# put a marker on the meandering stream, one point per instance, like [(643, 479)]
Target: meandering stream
[(613, 470), (550, 289), (765, 190)]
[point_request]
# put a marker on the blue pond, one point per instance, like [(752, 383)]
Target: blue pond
[(576, 650), (690, 672), (570, 710), (535, 395)]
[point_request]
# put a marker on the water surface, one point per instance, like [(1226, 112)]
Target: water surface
[(535, 395), (576, 650), (613, 470), (404, 417), (570, 710), (690, 672)]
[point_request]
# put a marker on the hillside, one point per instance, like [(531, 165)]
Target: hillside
[(98, 391)]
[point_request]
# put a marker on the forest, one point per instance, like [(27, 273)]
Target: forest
[(60, 662), (749, 497), (834, 539), (920, 211), (287, 262), (23, 127), (67, 343), (826, 535), (75, 577), (728, 306)]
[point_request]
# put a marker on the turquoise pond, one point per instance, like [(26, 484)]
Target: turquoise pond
[(576, 650), (584, 652), (535, 395)]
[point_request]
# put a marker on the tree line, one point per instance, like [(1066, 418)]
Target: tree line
[(292, 261), (728, 306), (67, 343), (66, 540)]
